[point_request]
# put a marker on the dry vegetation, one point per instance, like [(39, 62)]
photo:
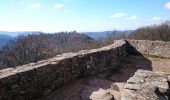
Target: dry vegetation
[(39, 46)]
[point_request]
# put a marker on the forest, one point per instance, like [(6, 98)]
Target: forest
[(39, 46)]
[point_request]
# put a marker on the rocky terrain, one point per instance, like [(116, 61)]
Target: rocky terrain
[(127, 84), (119, 71), (147, 85)]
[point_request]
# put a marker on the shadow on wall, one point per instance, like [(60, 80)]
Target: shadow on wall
[(91, 87), (134, 61), (132, 50)]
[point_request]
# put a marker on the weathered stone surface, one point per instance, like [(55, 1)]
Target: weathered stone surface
[(101, 94), (169, 78), (35, 80), (153, 48), (146, 85), (132, 86)]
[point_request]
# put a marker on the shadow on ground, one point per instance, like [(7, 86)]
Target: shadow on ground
[(102, 86), (130, 65), (85, 88)]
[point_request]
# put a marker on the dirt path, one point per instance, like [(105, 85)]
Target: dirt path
[(160, 64), (82, 89)]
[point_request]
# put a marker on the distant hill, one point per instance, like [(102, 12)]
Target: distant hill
[(39, 46), (12, 34), (4, 39), (16, 33), (94, 35), (98, 35), (69, 42), (5, 36)]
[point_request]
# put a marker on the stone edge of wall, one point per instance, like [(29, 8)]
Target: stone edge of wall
[(19, 69), (151, 48), (35, 80)]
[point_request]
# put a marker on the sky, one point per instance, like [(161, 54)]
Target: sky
[(81, 15)]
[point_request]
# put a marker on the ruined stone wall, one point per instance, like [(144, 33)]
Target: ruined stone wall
[(35, 80), (147, 85), (153, 48)]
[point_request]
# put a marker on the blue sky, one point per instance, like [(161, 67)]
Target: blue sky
[(81, 15)]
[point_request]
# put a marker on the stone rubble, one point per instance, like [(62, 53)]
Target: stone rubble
[(101, 94), (146, 85)]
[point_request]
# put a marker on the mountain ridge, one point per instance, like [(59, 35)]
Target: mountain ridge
[(4, 39)]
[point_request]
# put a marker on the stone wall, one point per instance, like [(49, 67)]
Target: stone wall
[(35, 80), (153, 48)]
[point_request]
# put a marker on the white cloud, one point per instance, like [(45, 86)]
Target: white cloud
[(159, 20), (35, 5), (118, 15), (134, 18), (60, 5), (167, 5), (156, 18)]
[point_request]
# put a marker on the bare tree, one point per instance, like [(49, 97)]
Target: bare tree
[(39, 46), (26, 49), (155, 32)]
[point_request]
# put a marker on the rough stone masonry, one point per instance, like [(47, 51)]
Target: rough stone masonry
[(152, 48), (147, 85), (36, 80)]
